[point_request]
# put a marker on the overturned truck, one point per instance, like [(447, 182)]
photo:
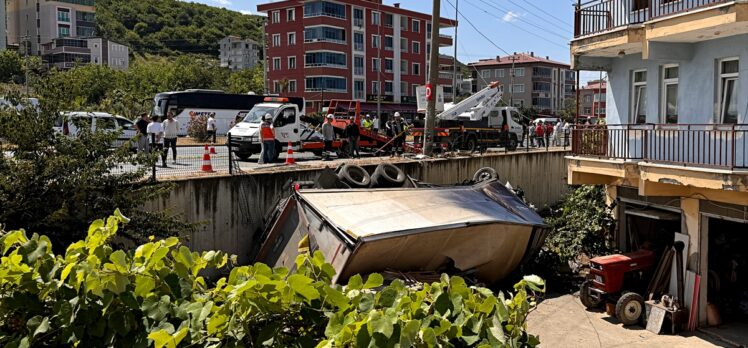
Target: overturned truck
[(481, 226)]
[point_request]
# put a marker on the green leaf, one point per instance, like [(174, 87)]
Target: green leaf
[(300, 284), (374, 280), (535, 283), (355, 283), (429, 337), (216, 323), (119, 259), (38, 325), (144, 284), (336, 298)]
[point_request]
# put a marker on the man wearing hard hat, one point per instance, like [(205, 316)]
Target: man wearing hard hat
[(267, 140), (398, 131), (328, 134)]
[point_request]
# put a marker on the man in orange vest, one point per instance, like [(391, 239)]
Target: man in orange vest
[(267, 137)]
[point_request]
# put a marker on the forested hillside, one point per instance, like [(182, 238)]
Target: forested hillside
[(171, 26)]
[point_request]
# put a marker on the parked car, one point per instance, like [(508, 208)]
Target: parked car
[(69, 123), (552, 120)]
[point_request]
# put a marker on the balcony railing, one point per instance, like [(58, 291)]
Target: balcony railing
[(700, 145), (598, 16)]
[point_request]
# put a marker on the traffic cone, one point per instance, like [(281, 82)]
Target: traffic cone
[(212, 150), (207, 166), (289, 156)]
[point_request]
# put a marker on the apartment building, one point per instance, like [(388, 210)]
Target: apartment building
[(237, 53), (537, 82), (3, 25), (674, 152), (347, 49), (592, 99), (33, 23), (66, 53)]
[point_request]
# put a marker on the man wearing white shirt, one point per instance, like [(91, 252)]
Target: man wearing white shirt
[(211, 127), (156, 135), (171, 129)]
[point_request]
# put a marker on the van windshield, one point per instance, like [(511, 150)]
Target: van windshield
[(255, 115)]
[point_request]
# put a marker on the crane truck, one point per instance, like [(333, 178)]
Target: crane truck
[(478, 123)]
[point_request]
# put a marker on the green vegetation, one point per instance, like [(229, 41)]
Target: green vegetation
[(166, 27), (94, 295), (582, 225)]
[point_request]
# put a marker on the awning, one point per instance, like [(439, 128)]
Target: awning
[(388, 108)]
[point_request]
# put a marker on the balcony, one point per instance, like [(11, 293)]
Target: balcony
[(717, 146), (598, 16), (445, 40)]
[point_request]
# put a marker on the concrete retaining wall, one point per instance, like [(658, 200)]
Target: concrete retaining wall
[(231, 209)]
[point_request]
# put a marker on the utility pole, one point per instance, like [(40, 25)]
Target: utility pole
[(454, 60), (264, 59), (511, 82), (428, 134), (380, 42)]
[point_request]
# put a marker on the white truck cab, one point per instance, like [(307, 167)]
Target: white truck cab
[(245, 135)]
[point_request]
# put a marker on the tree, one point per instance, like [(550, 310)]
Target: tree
[(569, 110), (11, 66), (247, 80)]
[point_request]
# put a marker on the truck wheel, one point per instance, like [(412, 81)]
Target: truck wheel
[(387, 175), (244, 156), (629, 308), (278, 149), (317, 153), (485, 174), (588, 300), (472, 145), (512, 143), (355, 176)]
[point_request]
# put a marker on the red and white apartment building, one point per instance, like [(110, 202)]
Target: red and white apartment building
[(350, 50)]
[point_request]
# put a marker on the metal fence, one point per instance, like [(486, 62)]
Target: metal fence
[(597, 16), (185, 158), (701, 145)]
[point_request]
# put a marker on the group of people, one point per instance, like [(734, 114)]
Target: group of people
[(154, 135), (545, 134)]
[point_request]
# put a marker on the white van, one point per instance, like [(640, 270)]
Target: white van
[(69, 122)]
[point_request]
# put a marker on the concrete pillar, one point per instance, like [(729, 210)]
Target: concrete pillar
[(693, 225)]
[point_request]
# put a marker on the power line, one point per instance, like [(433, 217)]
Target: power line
[(476, 29), (526, 21), (562, 27), (547, 13)]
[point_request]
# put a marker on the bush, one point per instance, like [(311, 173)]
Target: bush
[(96, 296), (582, 225), (197, 128)]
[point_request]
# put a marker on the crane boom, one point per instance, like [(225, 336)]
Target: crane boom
[(478, 104)]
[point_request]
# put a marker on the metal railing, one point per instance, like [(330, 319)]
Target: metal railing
[(598, 16), (722, 146)]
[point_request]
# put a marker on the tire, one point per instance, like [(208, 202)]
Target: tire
[(629, 308), (355, 176), (485, 174), (317, 153), (387, 175), (243, 156), (587, 300), (512, 145), (472, 145)]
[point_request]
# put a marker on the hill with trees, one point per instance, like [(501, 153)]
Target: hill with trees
[(166, 27)]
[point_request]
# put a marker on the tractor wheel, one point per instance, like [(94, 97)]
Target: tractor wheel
[(584, 295), (472, 145), (629, 308)]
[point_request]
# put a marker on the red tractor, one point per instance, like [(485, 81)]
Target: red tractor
[(619, 279)]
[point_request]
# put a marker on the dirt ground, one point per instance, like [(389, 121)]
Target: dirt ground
[(562, 321)]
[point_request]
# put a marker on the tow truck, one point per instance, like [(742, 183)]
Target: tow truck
[(477, 123)]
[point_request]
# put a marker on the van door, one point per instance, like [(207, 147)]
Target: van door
[(107, 125), (286, 125), (515, 123)]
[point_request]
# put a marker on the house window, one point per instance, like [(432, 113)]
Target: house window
[(276, 63), (375, 87), (403, 44), (358, 89), (639, 97), (375, 64), (519, 72), (416, 47), (63, 15), (375, 18), (388, 43), (428, 30), (518, 103), (498, 73), (728, 90), (388, 65), (404, 67), (416, 26), (63, 30), (276, 87), (291, 14), (291, 39), (276, 16), (388, 87), (669, 100), (292, 86), (388, 20), (276, 40), (404, 88), (519, 88), (486, 74), (416, 69), (292, 62), (375, 41), (640, 5), (358, 65), (403, 23), (358, 41), (358, 17)]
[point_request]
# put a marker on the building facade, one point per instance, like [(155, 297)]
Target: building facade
[(345, 49), (66, 53), (592, 99), (3, 25), (674, 153), (32, 23), (537, 82), (237, 53)]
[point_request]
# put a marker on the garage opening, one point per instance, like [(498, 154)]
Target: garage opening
[(650, 228), (727, 287)]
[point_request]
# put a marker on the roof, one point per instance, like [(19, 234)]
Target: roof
[(594, 85), (410, 210), (517, 58)]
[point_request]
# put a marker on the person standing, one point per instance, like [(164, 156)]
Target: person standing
[(171, 129), (353, 133), (142, 138), (557, 133), (328, 134), (375, 124), (548, 134), (156, 134), (267, 137), (398, 131), (211, 127), (367, 122), (540, 134), (567, 132)]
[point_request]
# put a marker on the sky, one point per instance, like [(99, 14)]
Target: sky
[(544, 27)]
